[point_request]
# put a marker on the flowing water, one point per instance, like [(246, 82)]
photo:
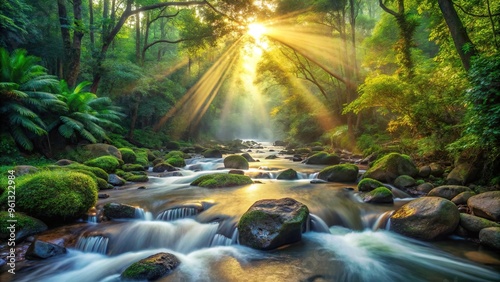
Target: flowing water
[(346, 239)]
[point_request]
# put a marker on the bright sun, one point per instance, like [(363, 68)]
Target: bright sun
[(256, 30)]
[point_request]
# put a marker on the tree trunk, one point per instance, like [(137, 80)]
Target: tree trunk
[(463, 44), (91, 25), (137, 39)]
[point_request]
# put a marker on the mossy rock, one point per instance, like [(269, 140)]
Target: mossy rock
[(132, 167), (117, 211), (101, 183), (339, 173), (99, 172), (128, 155), (178, 154), (288, 174), (137, 178), (142, 158), (221, 180), (25, 226), (107, 163), (368, 184), (474, 224), (212, 153), (248, 157), (323, 158), (302, 151), (57, 195), (100, 149), (389, 167), (236, 161), (176, 161), (162, 167), (379, 195), (448, 191), (172, 145), (404, 181), (151, 156), (151, 268)]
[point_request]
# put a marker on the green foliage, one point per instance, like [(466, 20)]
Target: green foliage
[(107, 163), (15, 22), (128, 155), (220, 180), (24, 96), (57, 195)]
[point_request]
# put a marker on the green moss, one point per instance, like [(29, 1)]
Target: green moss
[(138, 269), (380, 192), (178, 154), (114, 210), (368, 184), (137, 178), (339, 173), (236, 161), (212, 153), (142, 158), (56, 194), (220, 180), (303, 151), (176, 161), (107, 163), (132, 167), (323, 158), (99, 172), (25, 225), (128, 155), (288, 174)]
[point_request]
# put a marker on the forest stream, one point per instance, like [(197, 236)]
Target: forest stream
[(346, 239)]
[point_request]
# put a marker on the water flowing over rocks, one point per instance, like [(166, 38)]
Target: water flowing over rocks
[(42, 250), (269, 224), (426, 218), (486, 205), (117, 211), (151, 268)]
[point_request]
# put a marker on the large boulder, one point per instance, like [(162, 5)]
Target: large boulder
[(269, 224), (108, 163), (100, 149), (465, 171), (474, 224), (42, 250), (490, 237), (448, 191), (486, 205), (236, 161), (379, 195), (390, 166), (339, 173), (323, 158), (426, 218), (151, 268), (118, 211), (289, 174)]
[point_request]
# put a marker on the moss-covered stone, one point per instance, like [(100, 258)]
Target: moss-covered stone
[(99, 172), (339, 173), (107, 163), (390, 166), (236, 161), (162, 167), (128, 155), (221, 180), (288, 174), (404, 181), (323, 158), (57, 195), (178, 154), (448, 191), (176, 161), (132, 167), (137, 178), (379, 195), (25, 226), (212, 153), (117, 211), (490, 237), (99, 149), (151, 268), (142, 158), (474, 224), (368, 184)]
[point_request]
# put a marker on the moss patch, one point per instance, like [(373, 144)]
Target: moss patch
[(220, 180), (25, 225), (132, 167), (107, 163), (176, 161), (137, 178), (288, 174), (368, 184), (128, 155), (323, 158)]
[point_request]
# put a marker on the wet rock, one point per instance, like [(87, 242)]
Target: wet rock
[(339, 173), (323, 158), (116, 180), (436, 169), (236, 171), (379, 195), (162, 167), (271, 157), (25, 226), (269, 224), (296, 158), (486, 205), (151, 268), (42, 250), (389, 167), (474, 224), (404, 181), (368, 184), (118, 211), (490, 237), (24, 169), (425, 187), (221, 180), (213, 153), (248, 157), (64, 162), (461, 199), (424, 171), (288, 174), (318, 181), (448, 191), (236, 161), (102, 196), (426, 218)]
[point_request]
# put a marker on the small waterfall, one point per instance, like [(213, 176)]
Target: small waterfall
[(141, 214), (92, 244), (92, 218), (317, 224), (221, 240), (383, 221), (177, 213)]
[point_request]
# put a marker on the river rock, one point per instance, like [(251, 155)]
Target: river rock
[(426, 218), (212, 153), (404, 181), (236, 171), (490, 237), (379, 195), (280, 143), (465, 171), (151, 268), (162, 167), (236, 161), (288, 174), (339, 173), (368, 184), (425, 187), (117, 211), (100, 149), (474, 224), (42, 250), (462, 198), (486, 205), (390, 166), (424, 171), (248, 157), (448, 191), (323, 158), (116, 180), (437, 170), (269, 224)]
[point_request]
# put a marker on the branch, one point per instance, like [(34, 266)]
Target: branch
[(472, 14), (387, 10), (171, 41)]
